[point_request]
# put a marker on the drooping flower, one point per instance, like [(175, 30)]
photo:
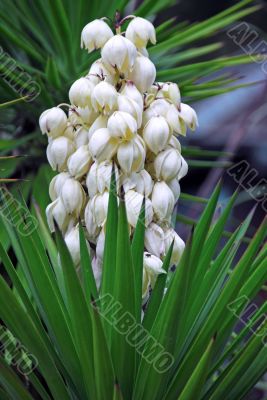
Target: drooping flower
[(95, 35)]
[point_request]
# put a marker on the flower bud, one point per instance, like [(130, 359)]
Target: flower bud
[(72, 240), (58, 152), (56, 211), (73, 196), (162, 201), (122, 125), (56, 185), (99, 177), (167, 164), (99, 72), (154, 239), (133, 202), (102, 146), (130, 106), (79, 162), (95, 35), (143, 73), (99, 207), (178, 246), (174, 185), (53, 122), (131, 155), (80, 92), (140, 31), (133, 93), (92, 229), (81, 137), (100, 122), (119, 53), (188, 117), (156, 134), (104, 98)]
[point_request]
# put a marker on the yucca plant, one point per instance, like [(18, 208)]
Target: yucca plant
[(189, 341), (41, 39)]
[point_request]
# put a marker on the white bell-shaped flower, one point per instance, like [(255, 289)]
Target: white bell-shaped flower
[(73, 196), (178, 246), (174, 120), (98, 72), (57, 211), (143, 73), (130, 106), (141, 182), (99, 207), (56, 185), (104, 98), (53, 122), (81, 137), (183, 169), (97, 271), (70, 131), (119, 53), (171, 92), (72, 240), (174, 185), (99, 177), (95, 35), (100, 122), (131, 91), (91, 227), (79, 162), (102, 146), (100, 245), (152, 268), (175, 144), (156, 134), (167, 164), (157, 108), (80, 116), (58, 152), (162, 201), (131, 155), (80, 92), (122, 125), (188, 118), (133, 202), (140, 31), (154, 239)]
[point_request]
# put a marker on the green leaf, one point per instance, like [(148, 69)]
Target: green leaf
[(196, 381), (124, 294)]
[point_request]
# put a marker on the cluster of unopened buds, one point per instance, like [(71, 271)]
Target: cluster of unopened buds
[(118, 115)]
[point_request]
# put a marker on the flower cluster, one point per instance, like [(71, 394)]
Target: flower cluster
[(118, 115)]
